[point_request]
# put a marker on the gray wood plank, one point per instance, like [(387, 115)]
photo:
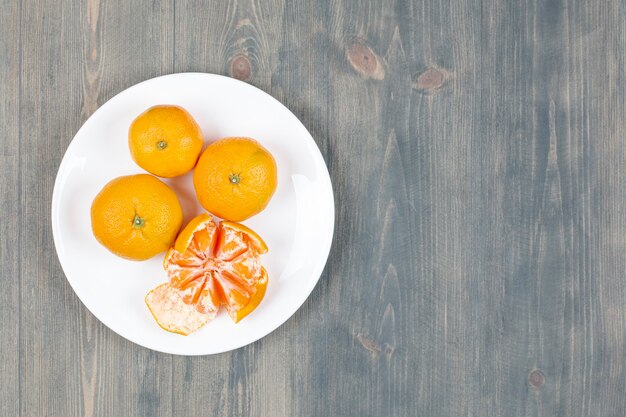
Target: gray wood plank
[(373, 273), (449, 156), (49, 377), (10, 205), (585, 120)]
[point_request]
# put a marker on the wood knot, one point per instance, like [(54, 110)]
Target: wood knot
[(430, 80), (369, 345), (240, 68), (536, 379), (365, 61)]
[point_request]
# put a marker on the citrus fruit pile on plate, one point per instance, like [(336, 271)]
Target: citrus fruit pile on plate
[(210, 263)]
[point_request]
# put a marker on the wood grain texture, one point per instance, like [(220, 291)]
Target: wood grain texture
[(49, 377), (9, 201), (476, 151)]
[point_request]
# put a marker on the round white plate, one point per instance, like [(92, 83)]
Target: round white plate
[(297, 224)]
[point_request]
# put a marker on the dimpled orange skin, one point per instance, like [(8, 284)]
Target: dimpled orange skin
[(235, 178), (165, 141), (136, 216)]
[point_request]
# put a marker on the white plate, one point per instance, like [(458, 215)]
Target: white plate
[(297, 224)]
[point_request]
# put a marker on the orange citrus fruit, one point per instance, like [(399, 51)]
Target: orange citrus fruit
[(235, 178), (136, 216), (210, 265), (165, 141)]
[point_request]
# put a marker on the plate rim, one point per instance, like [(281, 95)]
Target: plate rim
[(316, 153)]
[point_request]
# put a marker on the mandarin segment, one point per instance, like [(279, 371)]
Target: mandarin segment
[(253, 238), (255, 300), (186, 235)]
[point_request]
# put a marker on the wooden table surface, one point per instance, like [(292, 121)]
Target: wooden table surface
[(476, 150)]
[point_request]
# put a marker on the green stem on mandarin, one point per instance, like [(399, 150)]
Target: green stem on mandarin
[(234, 178), (138, 222)]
